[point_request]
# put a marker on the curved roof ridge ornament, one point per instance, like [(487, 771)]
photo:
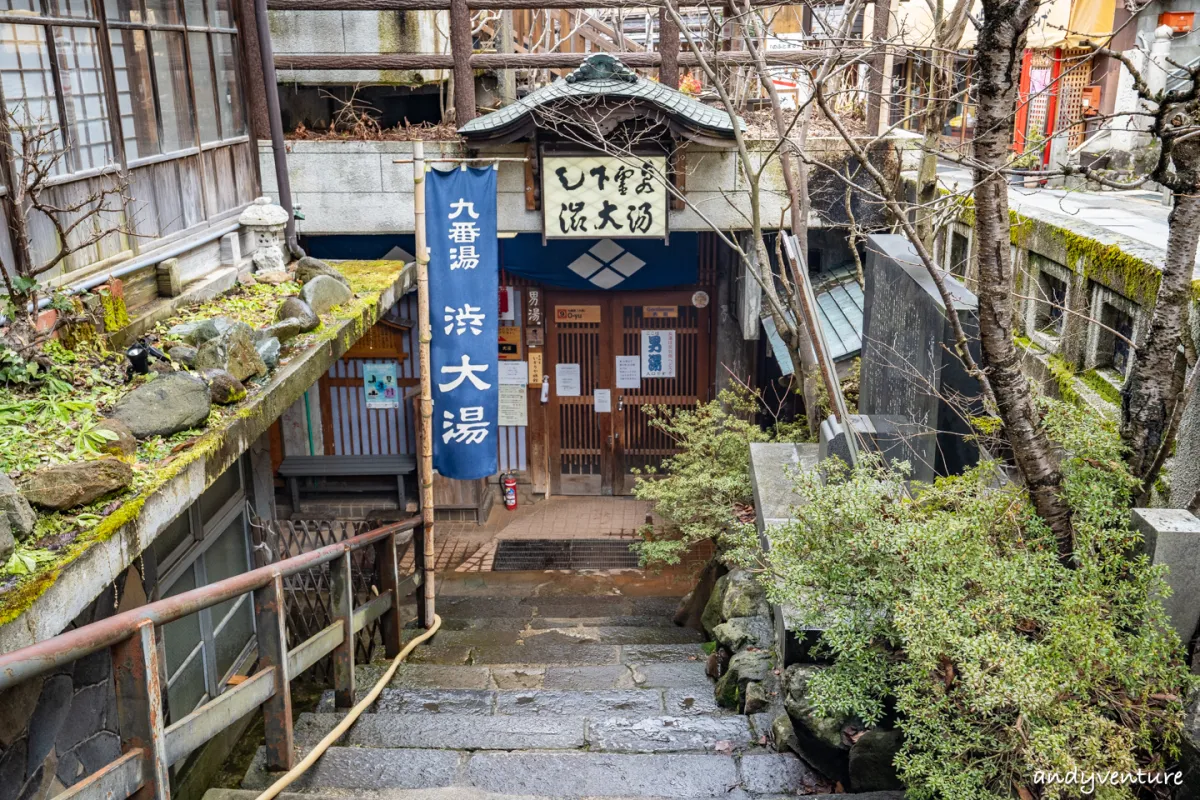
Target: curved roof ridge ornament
[(602, 66), (603, 78)]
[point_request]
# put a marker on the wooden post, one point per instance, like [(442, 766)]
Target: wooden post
[(505, 44), (140, 708), (424, 337), (271, 617), (668, 46), (341, 596), (460, 48), (390, 623)]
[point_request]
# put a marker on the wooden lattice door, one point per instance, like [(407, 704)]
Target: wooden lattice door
[(639, 446), (595, 453), (580, 454)]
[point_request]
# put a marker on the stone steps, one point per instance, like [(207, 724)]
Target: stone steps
[(687, 674), (564, 633), (526, 702), (467, 793), (548, 773), (555, 654), (560, 606), (617, 734)]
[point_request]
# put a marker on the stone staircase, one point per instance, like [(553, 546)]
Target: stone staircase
[(545, 697)]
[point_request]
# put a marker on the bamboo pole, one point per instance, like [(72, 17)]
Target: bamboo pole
[(424, 337)]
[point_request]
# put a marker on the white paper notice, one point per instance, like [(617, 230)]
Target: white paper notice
[(513, 373), (512, 409), (658, 354), (629, 375), (566, 380), (603, 401)]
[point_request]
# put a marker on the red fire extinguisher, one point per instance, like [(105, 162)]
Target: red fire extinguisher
[(510, 491)]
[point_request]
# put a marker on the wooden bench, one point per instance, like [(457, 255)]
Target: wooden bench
[(294, 468)]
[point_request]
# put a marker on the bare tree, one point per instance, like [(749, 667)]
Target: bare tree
[(35, 153)]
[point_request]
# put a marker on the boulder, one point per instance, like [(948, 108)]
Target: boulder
[(819, 737), (200, 331), (223, 388), (15, 510), (323, 293), (296, 309), (273, 277), (741, 632), (268, 259), (282, 330), (63, 486), (183, 354), (872, 757), (745, 667), (757, 700), (743, 597), (783, 736), (711, 617), (1189, 750), (7, 543), (308, 268), (164, 406), (124, 446), (233, 351), (268, 350), (161, 367)]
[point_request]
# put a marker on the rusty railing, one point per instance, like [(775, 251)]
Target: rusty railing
[(149, 747)]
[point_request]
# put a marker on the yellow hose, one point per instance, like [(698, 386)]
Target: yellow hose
[(295, 772)]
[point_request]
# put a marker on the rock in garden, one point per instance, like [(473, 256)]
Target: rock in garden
[(161, 367), (745, 667), (246, 279), (308, 268), (268, 259), (273, 277), (323, 293), (872, 757), (757, 700), (7, 543), (124, 445), (183, 354), (743, 597), (282, 330), (819, 737), (711, 617), (268, 351), (64, 486), (223, 388), (198, 332), (15, 510), (166, 405), (296, 309), (742, 632), (232, 351)]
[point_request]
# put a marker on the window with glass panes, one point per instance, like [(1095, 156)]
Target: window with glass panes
[(167, 83), (209, 542)]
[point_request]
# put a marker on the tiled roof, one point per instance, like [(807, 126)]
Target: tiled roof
[(602, 75), (840, 308)]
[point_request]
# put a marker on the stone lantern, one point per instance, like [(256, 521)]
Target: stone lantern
[(266, 221)]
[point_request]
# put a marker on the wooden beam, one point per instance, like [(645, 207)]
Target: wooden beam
[(418, 61), (480, 5)]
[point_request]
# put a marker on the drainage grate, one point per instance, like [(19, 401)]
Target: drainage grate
[(535, 554)]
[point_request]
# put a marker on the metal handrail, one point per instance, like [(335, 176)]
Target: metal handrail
[(149, 746)]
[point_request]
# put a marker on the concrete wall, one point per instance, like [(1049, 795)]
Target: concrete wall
[(359, 32), (352, 187)]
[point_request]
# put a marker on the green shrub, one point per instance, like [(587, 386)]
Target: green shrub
[(953, 607), (697, 491)]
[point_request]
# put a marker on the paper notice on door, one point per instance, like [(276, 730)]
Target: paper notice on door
[(629, 375), (566, 380), (512, 373), (512, 408), (535, 369), (603, 401), (658, 354)]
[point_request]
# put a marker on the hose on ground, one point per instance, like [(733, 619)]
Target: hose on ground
[(306, 763)]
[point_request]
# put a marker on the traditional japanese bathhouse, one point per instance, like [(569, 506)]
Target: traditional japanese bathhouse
[(616, 197)]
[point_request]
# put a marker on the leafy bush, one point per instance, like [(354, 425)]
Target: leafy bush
[(953, 609), (698, 489)]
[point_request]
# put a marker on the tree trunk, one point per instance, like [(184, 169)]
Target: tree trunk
[(1001, 42), (1151, 389), (876, 79)]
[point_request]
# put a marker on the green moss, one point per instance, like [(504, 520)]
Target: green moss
[(1101, 386), (116, 314), (1111, 266), (1064, 378)]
